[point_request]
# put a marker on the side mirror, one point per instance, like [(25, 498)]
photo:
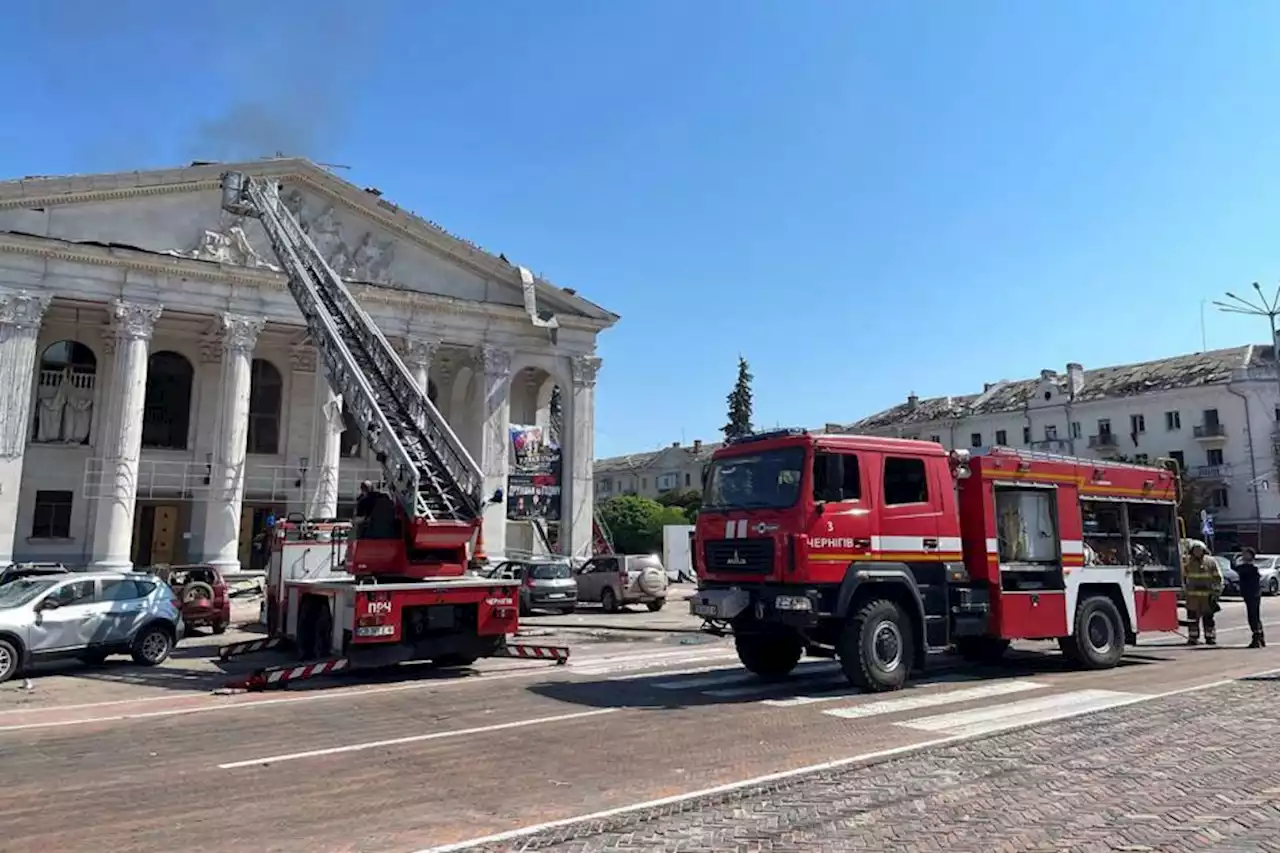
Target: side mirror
[(48, 604)]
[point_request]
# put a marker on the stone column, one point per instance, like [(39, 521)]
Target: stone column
[(128, 336), (418, 354), (578, 445), (20, 315), (226, 483), (494, 363), (326, 454)]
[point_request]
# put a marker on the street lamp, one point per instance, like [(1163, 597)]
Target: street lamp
[(1261, 307)]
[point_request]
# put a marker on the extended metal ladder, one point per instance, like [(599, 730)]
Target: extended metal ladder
[(432, 474), (601, 537)]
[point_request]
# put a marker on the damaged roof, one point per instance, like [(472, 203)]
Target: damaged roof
[(631, 462), (1126, 380)]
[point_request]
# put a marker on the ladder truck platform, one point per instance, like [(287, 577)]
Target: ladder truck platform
[(401, 582)]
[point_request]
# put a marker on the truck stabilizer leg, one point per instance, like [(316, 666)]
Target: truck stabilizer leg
[(247, 647), (559, 654), (275, 676)]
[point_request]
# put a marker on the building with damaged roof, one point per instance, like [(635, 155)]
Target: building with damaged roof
[(161, 391), (1215, 412)]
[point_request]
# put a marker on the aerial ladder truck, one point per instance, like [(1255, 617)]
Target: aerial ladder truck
[(399, 583)]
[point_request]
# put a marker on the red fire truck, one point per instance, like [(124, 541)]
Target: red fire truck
[(398, 584), (877, 551)]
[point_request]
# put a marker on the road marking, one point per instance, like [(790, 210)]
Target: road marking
[(844, 691), (375, 744), (1029, 712), (865, 758), (933, 700), (636, 665)]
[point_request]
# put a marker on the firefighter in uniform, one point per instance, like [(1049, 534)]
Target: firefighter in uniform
[(1203, 582)]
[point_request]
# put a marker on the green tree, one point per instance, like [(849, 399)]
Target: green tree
[(636, 523), (688, 501), (739, 404)]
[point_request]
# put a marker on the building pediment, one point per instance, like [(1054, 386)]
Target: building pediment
[(177, 213)]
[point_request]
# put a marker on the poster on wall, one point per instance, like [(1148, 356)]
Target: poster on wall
[(533, 485)]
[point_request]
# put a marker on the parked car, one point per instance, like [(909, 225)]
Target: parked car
[(203, 593), (616, 580), (1230, 580), (86, 615), (1268, 573), (545, 584)]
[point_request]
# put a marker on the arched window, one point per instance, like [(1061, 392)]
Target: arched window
[(266, 393), (349, 443), (166, 414), (64, 394)]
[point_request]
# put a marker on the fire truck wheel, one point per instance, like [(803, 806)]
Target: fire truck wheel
[(1098, 642), (876, 647), (771, 656)]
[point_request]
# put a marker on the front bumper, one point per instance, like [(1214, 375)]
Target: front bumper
[(795, 607), (551, 599)]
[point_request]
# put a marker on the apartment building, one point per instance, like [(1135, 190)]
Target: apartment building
[(1215, 412)]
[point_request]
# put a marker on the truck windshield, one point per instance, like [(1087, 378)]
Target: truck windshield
[(766, 480)]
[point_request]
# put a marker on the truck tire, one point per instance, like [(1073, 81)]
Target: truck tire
[(1098, 641), (981, 649), (771, 656), (655, 606), (876, 647)]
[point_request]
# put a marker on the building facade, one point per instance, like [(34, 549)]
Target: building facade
[(1216, 413), (160, 391), (653, 473)]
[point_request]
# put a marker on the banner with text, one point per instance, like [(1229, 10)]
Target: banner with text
[(533, 486)]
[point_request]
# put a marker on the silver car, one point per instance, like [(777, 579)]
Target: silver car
[(1268, 573), (545, 584), (86, 615)]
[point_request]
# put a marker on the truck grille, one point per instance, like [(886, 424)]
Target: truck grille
[(739, 555)]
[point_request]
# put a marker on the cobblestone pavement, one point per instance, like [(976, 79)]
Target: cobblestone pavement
[(1193, 772)]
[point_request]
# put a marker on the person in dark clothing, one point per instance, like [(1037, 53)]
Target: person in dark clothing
[(1251, 592)]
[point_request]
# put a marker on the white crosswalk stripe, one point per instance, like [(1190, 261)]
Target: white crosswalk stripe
[(902, 704), (1042, 710)]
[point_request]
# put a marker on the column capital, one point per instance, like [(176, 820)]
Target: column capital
[(419, 349), (130, 321), (584, 369), (495, 362), (239, 332), (22, 312)]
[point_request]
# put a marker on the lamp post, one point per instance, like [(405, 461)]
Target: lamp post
[(1259, 306)]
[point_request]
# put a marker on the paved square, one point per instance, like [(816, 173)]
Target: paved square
[(1195, 772)]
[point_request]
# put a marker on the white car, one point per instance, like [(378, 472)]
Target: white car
[(89, 616)]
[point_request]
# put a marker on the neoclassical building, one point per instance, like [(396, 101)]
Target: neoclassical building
[(160, 392)]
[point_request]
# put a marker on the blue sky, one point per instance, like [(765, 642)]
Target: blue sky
[(864, 199)]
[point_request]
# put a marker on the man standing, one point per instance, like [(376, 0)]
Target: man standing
[(1251, 591), (1203, 583)]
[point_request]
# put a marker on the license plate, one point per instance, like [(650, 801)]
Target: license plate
[(705, 610), (556, 595)]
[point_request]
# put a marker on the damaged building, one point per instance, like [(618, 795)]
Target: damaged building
[(1215, 412)]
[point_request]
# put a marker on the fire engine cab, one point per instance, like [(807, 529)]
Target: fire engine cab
[(877, 551)]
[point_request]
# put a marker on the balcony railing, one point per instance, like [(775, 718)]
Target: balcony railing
[(1211, 472), (1103, 440), (1210, 431), (1052, 445)]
